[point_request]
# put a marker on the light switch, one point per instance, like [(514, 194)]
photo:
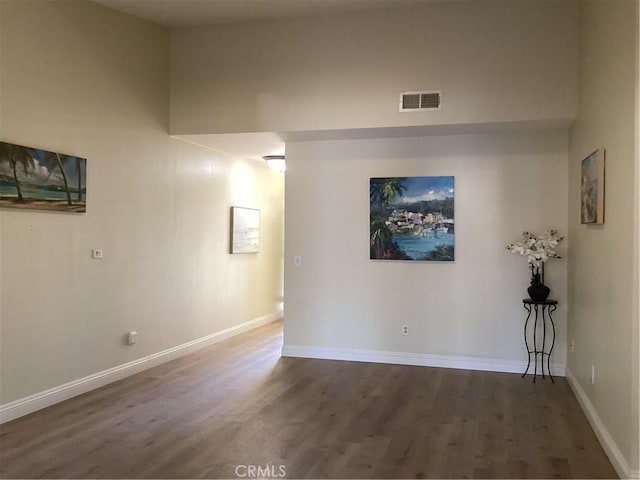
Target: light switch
[(297, 260)]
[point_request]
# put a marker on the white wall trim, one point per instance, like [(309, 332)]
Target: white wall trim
[(608, 444), (419, 359), (46, 398)]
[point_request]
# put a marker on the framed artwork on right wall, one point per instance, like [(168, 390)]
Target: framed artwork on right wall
[(592, 191)]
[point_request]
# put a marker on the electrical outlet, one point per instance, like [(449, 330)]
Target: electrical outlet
[(405, 330), (572, 345), (133, 337), (97, 253), (593, 374)]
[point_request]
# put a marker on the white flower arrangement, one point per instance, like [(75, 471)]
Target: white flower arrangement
[(537, 248)]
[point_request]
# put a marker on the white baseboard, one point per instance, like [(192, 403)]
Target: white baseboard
[(37, 401), (419, 359), (608, 444)]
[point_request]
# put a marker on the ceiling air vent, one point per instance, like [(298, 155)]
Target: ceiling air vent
[(416, 101)]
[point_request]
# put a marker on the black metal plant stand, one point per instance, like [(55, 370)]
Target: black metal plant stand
[(542, 311)]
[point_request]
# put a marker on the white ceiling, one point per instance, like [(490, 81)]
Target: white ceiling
[(252, 146), (188, 13)]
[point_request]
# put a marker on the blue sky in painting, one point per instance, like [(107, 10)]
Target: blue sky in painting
[(427, 188), (45, 169), (47, 166)]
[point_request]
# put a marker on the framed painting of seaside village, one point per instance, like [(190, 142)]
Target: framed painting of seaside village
[(412, 218), (32, 178)]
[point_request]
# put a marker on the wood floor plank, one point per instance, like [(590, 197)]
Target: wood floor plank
[(237, 403)]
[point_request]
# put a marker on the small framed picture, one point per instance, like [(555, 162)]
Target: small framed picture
[(245, 230), (592, 191)]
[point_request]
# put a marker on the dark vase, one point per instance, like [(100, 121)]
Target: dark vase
[(538, 291)]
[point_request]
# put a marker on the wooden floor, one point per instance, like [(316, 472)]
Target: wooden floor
[(238, 403)]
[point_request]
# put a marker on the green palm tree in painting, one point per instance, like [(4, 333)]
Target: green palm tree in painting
[(16, 156), (382, 191), (381, 236), (55, 158), (79, 173)]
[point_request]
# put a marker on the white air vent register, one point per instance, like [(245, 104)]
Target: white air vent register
[(419, 101)]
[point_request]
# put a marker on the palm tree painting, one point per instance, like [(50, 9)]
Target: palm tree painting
[(412, 218), (32, 178)]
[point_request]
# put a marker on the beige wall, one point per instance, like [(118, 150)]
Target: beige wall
[(601, 261), (339, 299), (81, 79), (494, 61)]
